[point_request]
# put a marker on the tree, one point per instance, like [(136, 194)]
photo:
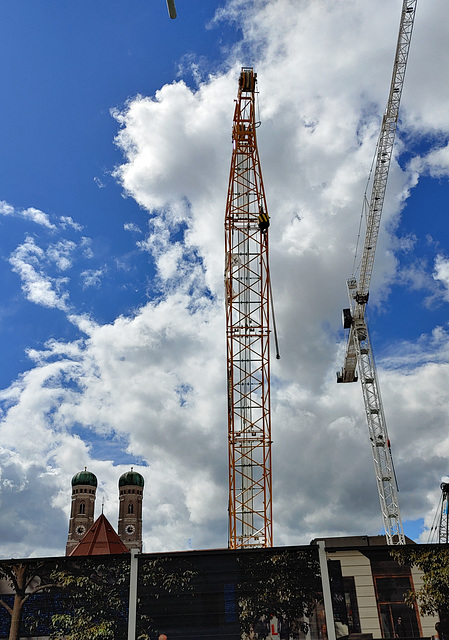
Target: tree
[(26, 580), (95, 593), (433, 596), (91, 594), (284, 584)]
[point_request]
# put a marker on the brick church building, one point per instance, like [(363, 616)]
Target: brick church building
[(89, 537)]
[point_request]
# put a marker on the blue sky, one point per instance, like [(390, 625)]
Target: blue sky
[(67, 66), (115, 137)]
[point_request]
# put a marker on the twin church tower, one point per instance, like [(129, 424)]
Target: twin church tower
[(89, 537)]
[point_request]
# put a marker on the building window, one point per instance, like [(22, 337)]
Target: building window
[(344, 601), (130, 508), (352, 609), (82, 509), (390, 598)]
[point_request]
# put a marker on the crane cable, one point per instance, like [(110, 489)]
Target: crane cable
[(435, 524), (258, 122)]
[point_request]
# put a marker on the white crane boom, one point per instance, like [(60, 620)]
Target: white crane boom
[(358, 350), (443, 529)]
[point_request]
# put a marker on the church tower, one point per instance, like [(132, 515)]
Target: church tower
[(130, 509), (84, 488)]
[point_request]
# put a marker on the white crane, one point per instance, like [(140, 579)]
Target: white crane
[(439, 531), (358, 351)]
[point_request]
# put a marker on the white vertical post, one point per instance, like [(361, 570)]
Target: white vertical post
[(327, 596), (132, 611)]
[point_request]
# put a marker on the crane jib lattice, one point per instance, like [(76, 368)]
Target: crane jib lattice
[(358, 351), (247, 287)]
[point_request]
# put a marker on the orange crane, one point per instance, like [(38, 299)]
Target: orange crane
[(247, 286)]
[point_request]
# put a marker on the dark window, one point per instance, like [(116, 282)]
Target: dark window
[(352, 609), (82, 508), (130, 508), (390, 597)]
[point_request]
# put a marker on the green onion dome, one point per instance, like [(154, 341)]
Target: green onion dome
[(131, 478), (84, 477)]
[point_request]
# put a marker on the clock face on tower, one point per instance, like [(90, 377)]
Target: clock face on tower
[(130, 529), (80, 530)]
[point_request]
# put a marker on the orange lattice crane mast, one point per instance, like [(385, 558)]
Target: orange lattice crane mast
[(247, 283)]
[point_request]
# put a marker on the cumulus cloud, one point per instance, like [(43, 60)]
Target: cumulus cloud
[(151, 383), (320, 120)]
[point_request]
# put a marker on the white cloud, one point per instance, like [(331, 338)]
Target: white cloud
[(37, 286), (60, 253), (130, 226), (6, 209), (442, 272), (31, 213), (153, 382), (67, 221), (323, 84), (92, 277), (37, 216)]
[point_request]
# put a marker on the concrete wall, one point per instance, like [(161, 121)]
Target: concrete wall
[(427, 622), (358, 566)]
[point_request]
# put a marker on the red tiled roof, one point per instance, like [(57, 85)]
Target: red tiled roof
[(100, 539)]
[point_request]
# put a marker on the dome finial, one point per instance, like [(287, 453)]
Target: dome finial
[(131, 478), (84, 477)]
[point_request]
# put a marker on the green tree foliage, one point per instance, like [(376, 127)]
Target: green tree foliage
[(284, 584), (433, 596), (95, 594), (25, 579)]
